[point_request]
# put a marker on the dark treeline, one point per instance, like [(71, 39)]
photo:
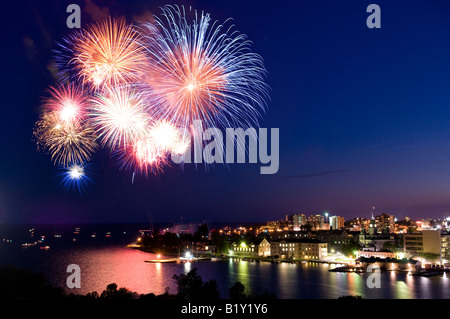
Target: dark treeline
[(22, 284)]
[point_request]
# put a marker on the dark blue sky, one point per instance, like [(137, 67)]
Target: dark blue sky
[(364, 118)]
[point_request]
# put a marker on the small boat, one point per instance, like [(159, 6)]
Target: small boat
[(26, 245), (44, 247)]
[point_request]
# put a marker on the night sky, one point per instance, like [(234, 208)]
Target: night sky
[(364, 118)]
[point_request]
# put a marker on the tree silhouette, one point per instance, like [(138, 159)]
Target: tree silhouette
[(237, 291), (111, 292), (190, 286), (22, 284)]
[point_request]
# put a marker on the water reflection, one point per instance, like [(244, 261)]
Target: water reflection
[(288, 281), (402, 291), (242, 273), (187, 267), (350, 284), (126, 267)]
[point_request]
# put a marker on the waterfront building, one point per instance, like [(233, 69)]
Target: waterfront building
[(427, 241), (390, 263), (260, 248), (445, 246), (309, 249), (243, 249), (382, 254), (263, 248)]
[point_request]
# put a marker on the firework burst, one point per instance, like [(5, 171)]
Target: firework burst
[(68, 102), (75, 176), (199, 71), (164, 135), (143, 156), (120, 116), (66, 142), (106, 53)]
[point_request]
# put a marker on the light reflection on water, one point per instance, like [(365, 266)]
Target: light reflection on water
[(126, 267)]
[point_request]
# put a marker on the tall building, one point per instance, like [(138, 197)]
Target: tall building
[(385, 223), (298, 220), (316, 222), (336, 222)]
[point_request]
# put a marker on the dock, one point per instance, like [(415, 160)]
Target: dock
[(165, 261)]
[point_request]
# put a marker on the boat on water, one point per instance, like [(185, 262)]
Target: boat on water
[(26, 245), (44, 247)]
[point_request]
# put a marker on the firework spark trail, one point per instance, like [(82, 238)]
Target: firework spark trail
[(200, 72), (142, 156), (106, 53)]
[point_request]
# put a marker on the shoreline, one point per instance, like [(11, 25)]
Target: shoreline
[(223, 257), (342, 268)]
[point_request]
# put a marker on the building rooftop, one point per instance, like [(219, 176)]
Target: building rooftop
[(299, 240)]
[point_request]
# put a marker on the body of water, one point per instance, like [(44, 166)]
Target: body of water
[(126, 267)]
